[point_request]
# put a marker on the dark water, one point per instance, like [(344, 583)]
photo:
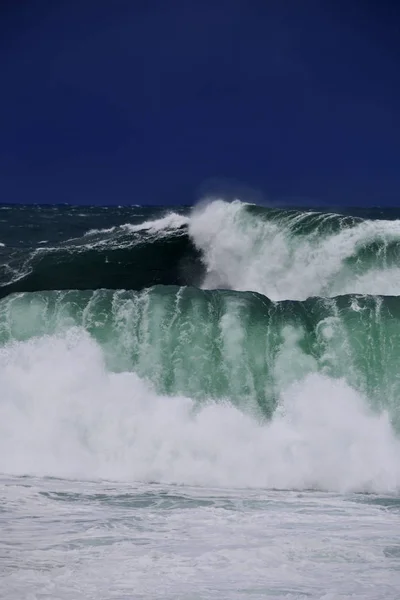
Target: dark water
[(62, 247)]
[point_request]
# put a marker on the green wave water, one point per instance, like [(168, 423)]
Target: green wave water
[(226, 345)]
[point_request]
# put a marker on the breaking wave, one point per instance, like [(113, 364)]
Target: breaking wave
[(230, 345), (283, 254)]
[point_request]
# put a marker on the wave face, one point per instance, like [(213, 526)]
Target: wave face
[(125, 255), (220, 354), (225, 345), (283, 254)]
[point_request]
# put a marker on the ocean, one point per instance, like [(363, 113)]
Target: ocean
[(199, 403)]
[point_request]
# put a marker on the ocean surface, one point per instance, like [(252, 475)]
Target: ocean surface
[(199, 403)]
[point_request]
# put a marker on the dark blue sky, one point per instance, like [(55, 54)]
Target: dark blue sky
[(154, 101)]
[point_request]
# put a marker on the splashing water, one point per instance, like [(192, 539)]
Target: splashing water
[(294, 254), (63, 414)]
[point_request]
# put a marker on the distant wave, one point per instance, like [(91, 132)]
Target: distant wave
[(283, 254), (126, 256)]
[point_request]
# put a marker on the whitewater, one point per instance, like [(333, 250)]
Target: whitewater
[(199, 402)]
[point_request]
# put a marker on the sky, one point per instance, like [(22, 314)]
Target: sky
[(163, 101)]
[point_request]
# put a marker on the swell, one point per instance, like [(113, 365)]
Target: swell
[(223, 344), (282, 254), (164, 261)]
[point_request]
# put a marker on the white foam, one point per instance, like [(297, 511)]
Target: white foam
[(97, 231), (63, 414), (244, 252), (167, 223)]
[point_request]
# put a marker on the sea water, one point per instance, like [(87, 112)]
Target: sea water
[(199, 403)]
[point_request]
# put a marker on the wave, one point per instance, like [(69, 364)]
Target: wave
[(230, 346), (65, 412), (226, 345), (283, 254), (119, 257), (295, 254)]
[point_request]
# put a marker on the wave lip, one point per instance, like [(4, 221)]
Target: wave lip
[(164, 225), (295, 254)]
